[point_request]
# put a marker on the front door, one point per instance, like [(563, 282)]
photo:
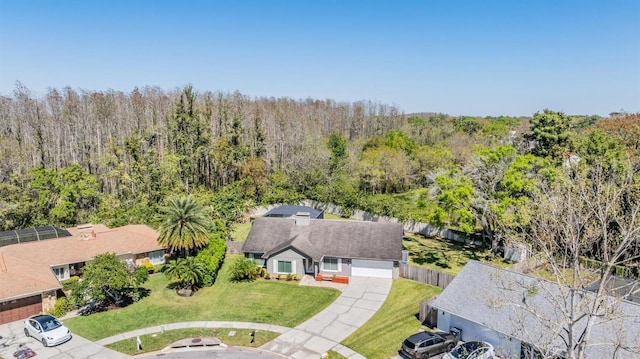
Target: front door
[(308, 266)]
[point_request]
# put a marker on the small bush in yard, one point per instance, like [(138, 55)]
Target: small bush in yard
[(243, 269), (61, 307), (148, 266)]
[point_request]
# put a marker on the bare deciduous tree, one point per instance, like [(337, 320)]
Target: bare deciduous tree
[(584, 214)]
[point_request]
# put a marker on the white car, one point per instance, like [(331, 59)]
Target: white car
[(47, 329), (471, 350)]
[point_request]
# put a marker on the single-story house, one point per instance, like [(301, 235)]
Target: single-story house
[(31, 271), (287, 211), (302, 245), (520, 314)]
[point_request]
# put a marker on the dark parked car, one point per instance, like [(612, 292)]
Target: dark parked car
[(426, 344)]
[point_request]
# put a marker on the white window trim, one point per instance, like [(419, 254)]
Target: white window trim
[(64, 272), (331, 270), (293, 266)]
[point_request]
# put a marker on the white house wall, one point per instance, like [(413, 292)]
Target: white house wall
[(504, 345)]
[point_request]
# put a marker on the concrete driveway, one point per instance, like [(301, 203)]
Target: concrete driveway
[(358, 303), (76, 348)]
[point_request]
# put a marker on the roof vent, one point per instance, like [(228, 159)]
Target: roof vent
[(86, 232), (303, 218)]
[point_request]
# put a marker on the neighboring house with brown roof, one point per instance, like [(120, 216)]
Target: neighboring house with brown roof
[(30, 273), (302, 245)]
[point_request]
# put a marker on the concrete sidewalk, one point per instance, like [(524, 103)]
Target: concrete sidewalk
[(183, 325), (358, 303)]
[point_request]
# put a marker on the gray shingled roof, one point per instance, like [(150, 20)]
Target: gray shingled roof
[(333, 238), (290, 211), (524, 307)]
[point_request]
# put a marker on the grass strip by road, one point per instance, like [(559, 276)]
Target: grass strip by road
[(335, 355), (273, 302), (383, 334), (158, 341)]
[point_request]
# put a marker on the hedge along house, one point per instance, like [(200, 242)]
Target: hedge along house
[(302, 245), (31, 267)]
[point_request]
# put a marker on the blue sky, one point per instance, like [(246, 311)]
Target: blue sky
[(457, 57)]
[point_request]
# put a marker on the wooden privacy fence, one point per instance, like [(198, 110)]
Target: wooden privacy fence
[(425, 275), (234, 247)]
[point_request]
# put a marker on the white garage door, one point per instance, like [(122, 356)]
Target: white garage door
[(369, 268)]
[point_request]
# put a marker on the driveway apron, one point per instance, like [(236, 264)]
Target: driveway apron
[(76, 348), (358, 303)]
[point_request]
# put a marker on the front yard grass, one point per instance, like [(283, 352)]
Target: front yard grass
[(282, 303), (445, 255), (158, 341), (383, 334)]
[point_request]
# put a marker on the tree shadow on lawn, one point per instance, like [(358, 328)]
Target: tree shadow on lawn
[(442, 253), (103, 306), (427, 255)]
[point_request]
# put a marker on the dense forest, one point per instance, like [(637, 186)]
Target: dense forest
[(74, 156)]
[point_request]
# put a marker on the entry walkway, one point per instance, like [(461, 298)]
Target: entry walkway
[(358, 303)]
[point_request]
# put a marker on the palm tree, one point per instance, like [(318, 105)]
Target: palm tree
[(184, 226), (188, 271)]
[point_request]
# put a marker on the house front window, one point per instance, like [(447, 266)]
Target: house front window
[(284, 267), (331, 265), (59, 273), (256, 258), (156, 257)]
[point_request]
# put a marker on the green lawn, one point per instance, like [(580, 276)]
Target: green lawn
[(383, 334), (335, 355), (158, 341), (445, 255), (241, 231), (282, 303), (328, 215)]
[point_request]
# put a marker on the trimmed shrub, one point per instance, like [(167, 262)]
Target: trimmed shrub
[(243, 269), (61, 307), (148, 266), (212, 256)]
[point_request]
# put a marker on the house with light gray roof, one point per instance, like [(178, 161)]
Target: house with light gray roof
[(302, 245), (519, 315)]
